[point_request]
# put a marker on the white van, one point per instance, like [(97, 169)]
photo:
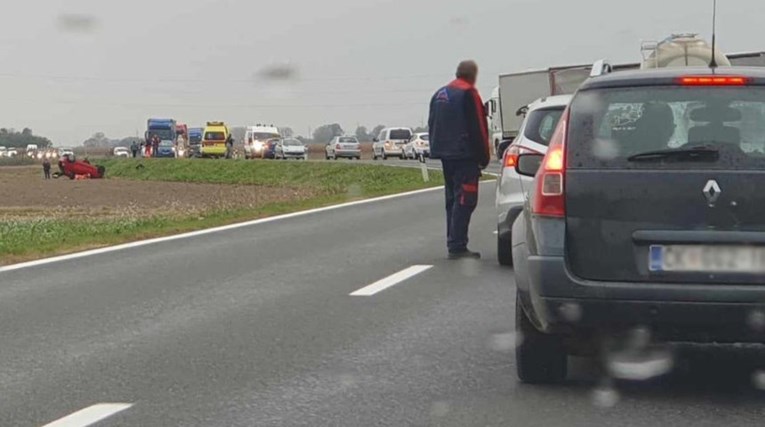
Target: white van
[(390, 143), (256, 139)]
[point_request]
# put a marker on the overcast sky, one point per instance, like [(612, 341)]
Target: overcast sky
[(74, 67)]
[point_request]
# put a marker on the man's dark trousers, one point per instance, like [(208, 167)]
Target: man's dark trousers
[(461, 180)]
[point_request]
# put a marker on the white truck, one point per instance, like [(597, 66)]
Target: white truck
[(517, 90)]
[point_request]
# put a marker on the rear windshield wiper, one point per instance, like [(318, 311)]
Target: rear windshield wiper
[(701, 153)]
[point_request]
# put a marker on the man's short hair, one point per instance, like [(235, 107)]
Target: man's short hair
[(467, 70)]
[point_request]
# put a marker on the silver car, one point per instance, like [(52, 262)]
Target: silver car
[(343, 146), (536, 130)]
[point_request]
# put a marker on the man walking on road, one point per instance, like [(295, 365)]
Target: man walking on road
[(459, 137)]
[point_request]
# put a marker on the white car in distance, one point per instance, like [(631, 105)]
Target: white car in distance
[(121, 152), (290, 149)]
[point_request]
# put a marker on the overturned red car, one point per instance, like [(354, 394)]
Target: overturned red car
[(72, 168)]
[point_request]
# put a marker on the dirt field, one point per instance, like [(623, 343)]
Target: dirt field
[(24, 194)]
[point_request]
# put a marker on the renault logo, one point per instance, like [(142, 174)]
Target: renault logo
[(712, 191)]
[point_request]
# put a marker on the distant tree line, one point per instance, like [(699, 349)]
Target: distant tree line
[(100, 140), (11, 138)]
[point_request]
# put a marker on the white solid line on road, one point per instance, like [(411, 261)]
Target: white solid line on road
[(207, 231), (90, 415), (391, 280)]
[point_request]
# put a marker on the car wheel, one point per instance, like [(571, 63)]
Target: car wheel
[(540, 358), (384, 157), (504, 251)]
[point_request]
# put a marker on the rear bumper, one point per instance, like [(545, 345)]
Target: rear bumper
[(676, 312), (347, 153)]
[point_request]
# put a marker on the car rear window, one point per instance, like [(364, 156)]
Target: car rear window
[(607, 126), (215, 136), (398, 134), (349, 140), (540, 124)]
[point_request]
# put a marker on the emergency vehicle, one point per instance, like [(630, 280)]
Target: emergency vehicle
[(214, 139)]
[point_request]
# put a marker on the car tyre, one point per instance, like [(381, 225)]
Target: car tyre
[(504, 251), (384, 156), (540, 358)]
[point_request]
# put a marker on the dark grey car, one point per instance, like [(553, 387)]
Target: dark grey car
[(648, 211)]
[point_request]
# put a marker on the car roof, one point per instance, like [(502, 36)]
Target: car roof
[(669, 76), (551, 101)]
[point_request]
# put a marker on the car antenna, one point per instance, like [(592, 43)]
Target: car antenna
[(713, 62)]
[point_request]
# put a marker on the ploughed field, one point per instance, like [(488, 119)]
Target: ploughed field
[(143, 198)]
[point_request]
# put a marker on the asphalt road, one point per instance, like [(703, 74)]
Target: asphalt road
[(256, 327), (494, 166)]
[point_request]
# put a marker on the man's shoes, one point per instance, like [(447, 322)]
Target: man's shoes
[(466, 254)]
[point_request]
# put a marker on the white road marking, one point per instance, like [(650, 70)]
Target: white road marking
[(90, 415), (206, 231), (495, 232), (391, 280)]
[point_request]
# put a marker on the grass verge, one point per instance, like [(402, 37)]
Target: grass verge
[(22, 240)]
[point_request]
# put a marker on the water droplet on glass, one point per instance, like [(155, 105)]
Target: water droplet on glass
[(505, 342), (758, 379), (354, 190), (756, 320), (470, 267), (605, 397), (571, 312), (347, 380), (439, 409), (80, 23), (277, 72)]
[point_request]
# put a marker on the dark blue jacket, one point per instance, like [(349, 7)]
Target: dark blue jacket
[(457, 124)]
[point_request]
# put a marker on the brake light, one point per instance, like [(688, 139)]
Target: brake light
[(337, 147), (714, 81), (549, 197)]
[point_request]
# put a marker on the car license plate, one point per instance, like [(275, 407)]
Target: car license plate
[(707, 259)]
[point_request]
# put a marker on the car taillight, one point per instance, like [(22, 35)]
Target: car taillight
[(512, 153), (714, 81), (549, 195), (337, 147)]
